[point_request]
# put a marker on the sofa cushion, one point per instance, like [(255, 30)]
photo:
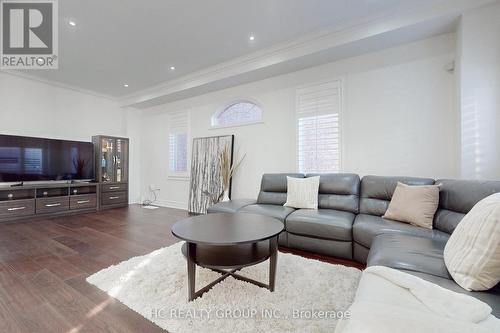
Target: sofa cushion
[(367, 227), (338, 191), (273, 188), (447, 220), (414, 204), (409, 253), (329, 247), (457, 197), (472, 254), (231, 206), (302, 192), (376, 192), (321, 223), (278, 212), (461, 195)]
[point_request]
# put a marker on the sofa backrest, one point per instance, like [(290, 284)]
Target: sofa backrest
[(338, 191), (273, 188), (376, 192), (457, 197)]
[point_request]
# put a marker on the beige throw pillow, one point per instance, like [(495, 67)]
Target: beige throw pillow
[(302, 192), (414, 204), (472, 254)]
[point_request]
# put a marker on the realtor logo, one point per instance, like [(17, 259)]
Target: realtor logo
[(28, 34)]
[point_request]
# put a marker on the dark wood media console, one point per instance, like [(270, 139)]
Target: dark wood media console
[(110, 189), (47, 200)]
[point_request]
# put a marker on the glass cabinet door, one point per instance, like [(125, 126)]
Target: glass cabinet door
[(107, 162), (121, 154)]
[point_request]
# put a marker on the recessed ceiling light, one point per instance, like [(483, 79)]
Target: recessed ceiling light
[(252, 37), (125, 85), (72, 23), (172, 68)]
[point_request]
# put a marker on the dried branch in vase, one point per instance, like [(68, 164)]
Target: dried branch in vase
[(227, 169)]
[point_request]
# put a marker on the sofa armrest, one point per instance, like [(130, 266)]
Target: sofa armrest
[(231, 206)]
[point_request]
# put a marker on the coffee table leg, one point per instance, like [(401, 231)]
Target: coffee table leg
[(191, 267), (273, 248)]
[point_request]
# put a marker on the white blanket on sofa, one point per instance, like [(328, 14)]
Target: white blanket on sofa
[(439, 300), (389, 300)]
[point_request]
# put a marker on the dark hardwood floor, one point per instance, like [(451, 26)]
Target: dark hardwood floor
[(44, 264)]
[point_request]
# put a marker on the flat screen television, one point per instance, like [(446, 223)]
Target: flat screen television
[(27, 159)]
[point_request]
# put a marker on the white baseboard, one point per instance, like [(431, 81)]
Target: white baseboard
[(133, 202), (171, 204)]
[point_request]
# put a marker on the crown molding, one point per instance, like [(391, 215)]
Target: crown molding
[(58, 84), (307, 45)]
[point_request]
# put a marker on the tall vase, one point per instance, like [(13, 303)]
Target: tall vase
[(225, 197)]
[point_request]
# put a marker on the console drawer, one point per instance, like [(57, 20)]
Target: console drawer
[(83, 201), (114, 187), (17, 208), (51, 205), (113, 198)]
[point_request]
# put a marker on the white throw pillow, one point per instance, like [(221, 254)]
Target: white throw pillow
[(302, 192), (472, 254), (414, 204)]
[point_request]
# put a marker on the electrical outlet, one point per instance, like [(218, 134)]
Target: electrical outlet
[(154, 187)]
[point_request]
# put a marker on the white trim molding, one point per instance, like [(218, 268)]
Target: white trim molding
[(237, 125), (179, 177), (59, 84), (171, 204)]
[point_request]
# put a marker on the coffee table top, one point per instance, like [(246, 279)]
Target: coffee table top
[(227, 228)]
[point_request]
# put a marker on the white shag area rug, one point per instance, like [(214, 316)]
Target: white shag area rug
[(310, 296)]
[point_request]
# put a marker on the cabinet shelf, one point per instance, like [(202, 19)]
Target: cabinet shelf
[(112, 163), (52, 192), (9, 194), (78, 190)]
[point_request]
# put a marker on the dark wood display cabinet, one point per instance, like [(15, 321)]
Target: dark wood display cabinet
[(47, 200), (111, 158)]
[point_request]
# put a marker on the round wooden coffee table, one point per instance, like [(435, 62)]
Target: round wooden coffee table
[(226, 243)]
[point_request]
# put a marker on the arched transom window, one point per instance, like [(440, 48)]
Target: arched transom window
[(238, 113)]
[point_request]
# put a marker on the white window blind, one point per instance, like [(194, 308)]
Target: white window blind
[(178, 144), (318, 125)]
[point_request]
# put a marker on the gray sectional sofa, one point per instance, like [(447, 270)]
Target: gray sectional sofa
[(349, 224)]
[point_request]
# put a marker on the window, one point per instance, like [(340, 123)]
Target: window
[(318, 128), (178, 144), (238, 113)]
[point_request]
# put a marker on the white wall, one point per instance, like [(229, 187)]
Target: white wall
[(479, 50), (33, 108), (133, 132), (399, 119)]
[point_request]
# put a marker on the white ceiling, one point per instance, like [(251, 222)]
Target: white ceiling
[(172, 91), (136, 42)]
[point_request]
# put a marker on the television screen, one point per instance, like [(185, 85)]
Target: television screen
[(26, 159)]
